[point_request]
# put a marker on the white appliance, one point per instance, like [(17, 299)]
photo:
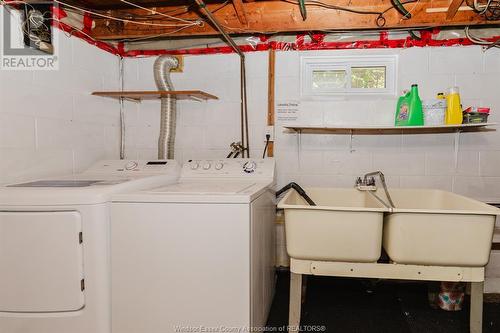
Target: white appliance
[(198, 253), (54, 246)]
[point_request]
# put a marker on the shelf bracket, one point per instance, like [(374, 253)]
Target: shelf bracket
[(134, 100), (350, 141), (196, 99), (299, 144), (456, 148)]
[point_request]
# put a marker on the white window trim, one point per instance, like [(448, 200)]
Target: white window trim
[(309, 64)]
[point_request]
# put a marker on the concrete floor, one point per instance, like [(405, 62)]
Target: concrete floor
[(362, 306)]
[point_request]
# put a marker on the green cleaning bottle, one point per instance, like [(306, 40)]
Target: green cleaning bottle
[(409, 109)]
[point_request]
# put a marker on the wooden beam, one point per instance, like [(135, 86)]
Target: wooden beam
[(240, 12), (453, 9), (270, 98), (279, 16)]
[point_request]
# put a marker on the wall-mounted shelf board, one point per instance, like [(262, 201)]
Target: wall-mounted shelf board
[(382, 130), (389, 129), (150, 95)]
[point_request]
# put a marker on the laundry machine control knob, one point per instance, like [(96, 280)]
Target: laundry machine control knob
[(131, 165), (249, 167), (207, 166), (219, 166), (195, 166)]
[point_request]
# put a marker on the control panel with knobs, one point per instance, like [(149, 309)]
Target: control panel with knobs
[(249, 166), (228, 168), (133, 167)]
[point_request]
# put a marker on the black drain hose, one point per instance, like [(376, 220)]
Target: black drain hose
[(400, 8), (299, 190)]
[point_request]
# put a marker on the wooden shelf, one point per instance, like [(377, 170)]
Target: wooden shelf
[(390, 129), (149, 95)]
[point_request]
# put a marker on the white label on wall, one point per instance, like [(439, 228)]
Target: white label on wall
[(287, 110)]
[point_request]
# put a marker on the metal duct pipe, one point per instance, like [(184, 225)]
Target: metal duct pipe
[(166, 141)]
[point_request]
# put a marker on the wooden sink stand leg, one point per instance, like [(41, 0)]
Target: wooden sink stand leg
[(295, 302), (476, 307), (302, 268)]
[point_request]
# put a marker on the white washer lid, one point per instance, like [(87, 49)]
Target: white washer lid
[(203, 191), (94, 186), (203, 188), (95, 193)]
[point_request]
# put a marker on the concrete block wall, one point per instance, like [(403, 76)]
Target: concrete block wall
[(205, 129), (411, 160), (49, 123)]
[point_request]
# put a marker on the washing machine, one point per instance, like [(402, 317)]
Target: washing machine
[(198, 254), (54, 246)]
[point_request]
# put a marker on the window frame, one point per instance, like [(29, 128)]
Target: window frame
[(346, 63)]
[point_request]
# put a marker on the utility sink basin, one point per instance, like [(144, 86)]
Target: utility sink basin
[(432, 227), (346, 225)]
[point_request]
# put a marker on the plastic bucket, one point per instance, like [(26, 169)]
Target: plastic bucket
[(434, 112)]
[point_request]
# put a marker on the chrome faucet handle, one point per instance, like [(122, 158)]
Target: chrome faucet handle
[(359, 181), (370, 181)]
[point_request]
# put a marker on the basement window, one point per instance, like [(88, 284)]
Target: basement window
[(334, 76)]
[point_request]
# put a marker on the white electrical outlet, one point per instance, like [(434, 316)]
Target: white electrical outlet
[(270, 132)]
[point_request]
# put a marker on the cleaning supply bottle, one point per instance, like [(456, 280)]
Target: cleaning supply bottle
[(409, 109), (453, 109), (440, 96)]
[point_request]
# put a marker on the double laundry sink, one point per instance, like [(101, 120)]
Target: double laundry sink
[(425, 227)]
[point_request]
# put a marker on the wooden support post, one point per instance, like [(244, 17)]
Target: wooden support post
[(476, 307), (453, 9), (270, 100), (295, 302), (240, 12)]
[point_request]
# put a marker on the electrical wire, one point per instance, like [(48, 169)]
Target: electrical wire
[(410, 12), (139, 39), (79, 9), (35, 38), (479, 41), (491, 10), (154, 12), (75, 9), (147, 38), (268, 138), (185, 10), (484, 10), (120, 19), (33, 25), (380, 20)]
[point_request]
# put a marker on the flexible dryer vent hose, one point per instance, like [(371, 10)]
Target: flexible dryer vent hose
[(166, 141)]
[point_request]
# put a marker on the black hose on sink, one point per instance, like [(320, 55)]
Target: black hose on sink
[(299, 190)]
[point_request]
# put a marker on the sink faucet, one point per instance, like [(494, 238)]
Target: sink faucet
[(367, 183)]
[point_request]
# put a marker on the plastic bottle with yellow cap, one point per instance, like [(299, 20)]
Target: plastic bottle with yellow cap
[(454, 108)]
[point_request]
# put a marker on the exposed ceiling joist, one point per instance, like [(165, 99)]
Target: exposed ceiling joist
[(240, 11), (452, 10), (269, 17)]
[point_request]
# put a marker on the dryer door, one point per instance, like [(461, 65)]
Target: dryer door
[(41, 266)]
